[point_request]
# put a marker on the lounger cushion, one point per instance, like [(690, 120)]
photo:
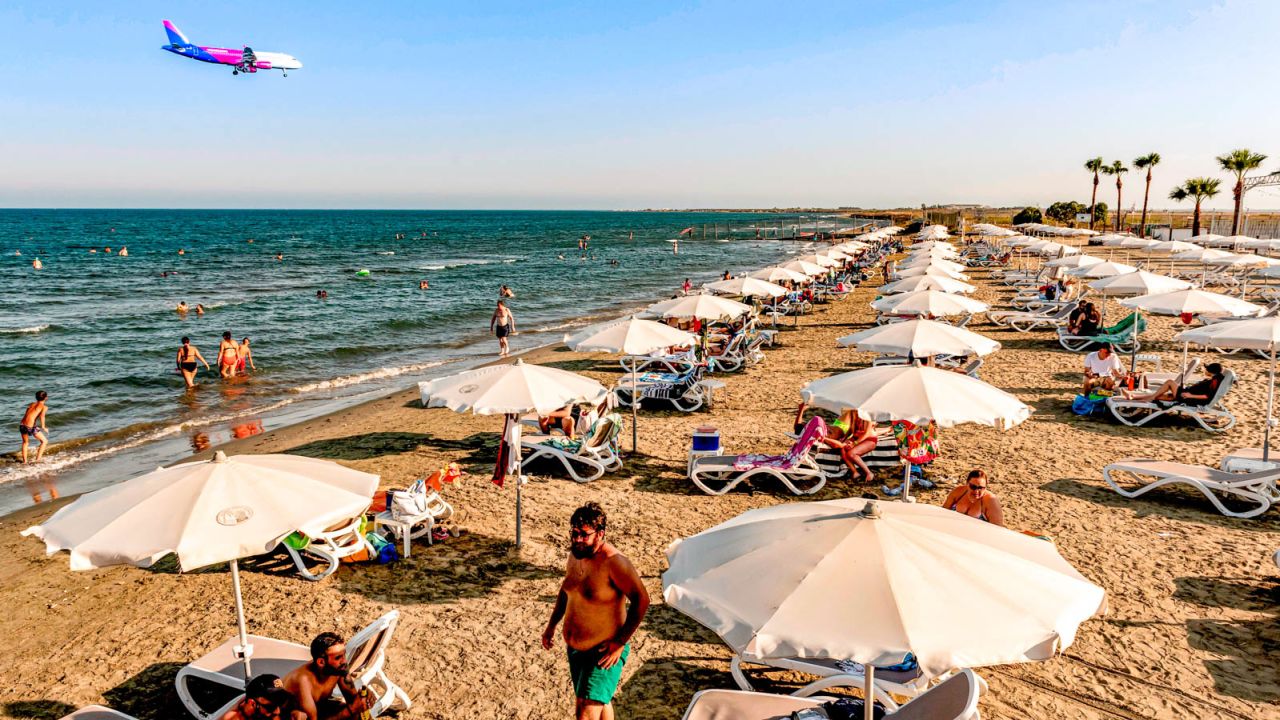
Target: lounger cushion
[(277, 657), (744, 705), (97, 712)]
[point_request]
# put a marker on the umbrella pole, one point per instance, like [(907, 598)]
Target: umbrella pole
[(244, 650), (869, 691), (635, 403), (1271, 396), (906, 484), (1133, 356)]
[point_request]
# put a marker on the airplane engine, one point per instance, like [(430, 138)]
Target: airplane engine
[(263, 65)]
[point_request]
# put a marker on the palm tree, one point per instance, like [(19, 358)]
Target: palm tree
[(1146, 162), (1239, 162), (1200, 189), (1118, 169), (1093, 165)]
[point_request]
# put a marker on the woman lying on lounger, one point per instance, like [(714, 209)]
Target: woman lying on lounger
[(1194, 394), (973, 499), (852, 436)]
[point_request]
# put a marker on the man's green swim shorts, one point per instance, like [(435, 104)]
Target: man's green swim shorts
[(591, 682)]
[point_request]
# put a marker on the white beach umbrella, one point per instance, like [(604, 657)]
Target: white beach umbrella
[(207, 512), (1101, 270), (821, 260), (1202, 255), (927, 282), (765, 582), (943, 251), (1048, 248), (1247, 241), (703, 307), (747, 286), (918, 261), (916, 394), (511, 390), (934, 232), (930, 269), (1074, 261), (1193, 302), (1139, 243), (1242, 261), (1173, 246), (928, 302), (1112, 239), (631, 336), (1215, 241), (1255, 334), (834, 253), (806, 268), (1140, 282), (778, 274), (920, 338)]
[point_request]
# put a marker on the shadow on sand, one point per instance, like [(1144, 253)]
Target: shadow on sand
[(1178, 503), (1248, 649)]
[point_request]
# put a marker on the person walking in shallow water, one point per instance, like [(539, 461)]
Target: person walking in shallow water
[(602, 601), (188, 354), (33, 425), (502, 324)]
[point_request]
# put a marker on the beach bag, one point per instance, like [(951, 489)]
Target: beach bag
[(384, 551), (850, 709), (406, 504), (1082, 405)]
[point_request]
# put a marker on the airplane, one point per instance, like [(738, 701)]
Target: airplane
[(244, 60)]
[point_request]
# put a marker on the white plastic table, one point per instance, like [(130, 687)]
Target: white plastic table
[(404, 527)]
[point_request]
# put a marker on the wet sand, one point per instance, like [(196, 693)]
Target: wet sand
[(1192, 629)]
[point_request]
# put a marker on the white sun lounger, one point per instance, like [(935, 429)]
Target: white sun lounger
[(1024, 321), (953, 699), (366, 659), (596, 454), (97, 712), (1211, 416), (339, 541), (718, 474), (1258, 489)]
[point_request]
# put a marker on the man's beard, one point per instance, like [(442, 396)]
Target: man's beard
[(582, 552)]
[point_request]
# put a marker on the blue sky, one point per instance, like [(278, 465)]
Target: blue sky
[(613, 105)]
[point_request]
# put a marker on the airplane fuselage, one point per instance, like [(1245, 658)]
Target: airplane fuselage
[(231, 56)]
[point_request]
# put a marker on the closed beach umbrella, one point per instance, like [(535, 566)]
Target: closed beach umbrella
[(927, 282), (702, 307), (747, 287), (930, 269), (920, 338), (630, 336), (779, 274), (928, 302), (1256, 334), (1137, 283), (767, 582), (806, 268), (1101, 270), (1074, 261), (511, 390), (207, 512)]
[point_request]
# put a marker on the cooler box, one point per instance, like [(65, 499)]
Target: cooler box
[(706, 439)]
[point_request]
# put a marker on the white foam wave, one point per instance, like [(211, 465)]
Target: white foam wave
[(17, 331), (386, 252), (61, 461), (464, 262), (364, 377)]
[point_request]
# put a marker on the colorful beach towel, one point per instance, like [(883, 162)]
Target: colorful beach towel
[(813, 433)]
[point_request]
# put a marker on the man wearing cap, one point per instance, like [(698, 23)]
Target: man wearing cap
[(264, 699)]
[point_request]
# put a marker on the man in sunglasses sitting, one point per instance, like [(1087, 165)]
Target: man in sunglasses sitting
[(264, 699)]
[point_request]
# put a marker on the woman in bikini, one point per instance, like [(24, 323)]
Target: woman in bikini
[(228, 356), (852, 436), (973, 499), (188, 354)]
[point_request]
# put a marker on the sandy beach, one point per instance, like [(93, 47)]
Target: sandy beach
[(1192, 627)]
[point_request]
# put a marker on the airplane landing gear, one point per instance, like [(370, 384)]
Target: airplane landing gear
[(235, 72), (284, 74)]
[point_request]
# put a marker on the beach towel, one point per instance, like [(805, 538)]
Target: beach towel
[(508, 452), (917, 444), (813, 433)]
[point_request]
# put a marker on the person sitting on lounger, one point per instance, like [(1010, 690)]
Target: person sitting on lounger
[(312, 684), (1102, 369), (264, 699), (1197, 393), (849, 434), (1084, 320), (973, 499)]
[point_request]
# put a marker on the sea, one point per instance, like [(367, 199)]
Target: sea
[(97, 329)]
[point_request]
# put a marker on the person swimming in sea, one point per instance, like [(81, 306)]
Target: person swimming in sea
[(182, 308), (505, 292), (424, 285), (37, 265), (279, 256), (199, 309), (181, 251)]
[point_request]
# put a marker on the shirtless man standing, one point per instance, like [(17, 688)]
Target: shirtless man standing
[(33, 425), (312, 685), (602, 601), (502, 324)]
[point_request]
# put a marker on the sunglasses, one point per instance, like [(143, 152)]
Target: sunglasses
[(977, 487)]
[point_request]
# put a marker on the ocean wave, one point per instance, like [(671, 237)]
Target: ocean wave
[(24, 330), (450, 264), (378, 374), (61, 458), (386, 252)]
